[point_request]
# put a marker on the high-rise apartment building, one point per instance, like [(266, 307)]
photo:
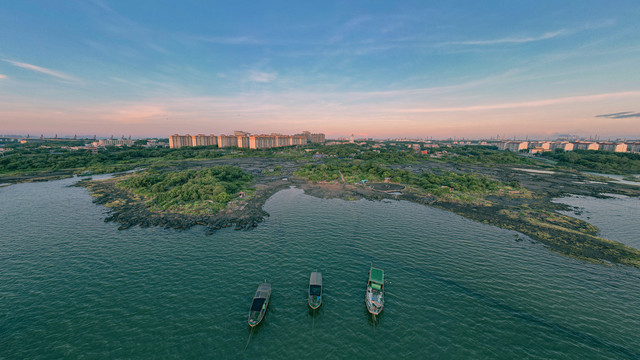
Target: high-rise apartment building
[(298, 140), (283, 140), (177, 141), (314, 138), (564, 145), (586, 145), (227, 141), (633, 147), (262, 141), (612, 146), (546, 145), (242, 139), (514, 146), (204, 140)]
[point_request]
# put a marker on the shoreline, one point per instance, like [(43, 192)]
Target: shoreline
[(129, 210), (539, 220), (533, 214)]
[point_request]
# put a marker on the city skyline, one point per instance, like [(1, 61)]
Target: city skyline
[(373, 69)]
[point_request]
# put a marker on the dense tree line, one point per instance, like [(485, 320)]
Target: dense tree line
[(484, 155), (597, 161), (25, 159)]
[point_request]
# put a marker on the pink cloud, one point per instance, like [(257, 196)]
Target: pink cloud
[(42, 70), (133, 113), (332, 113)]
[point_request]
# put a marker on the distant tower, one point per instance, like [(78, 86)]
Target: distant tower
[(27, 136), (94, 137), (75, 137), (111, 138), (55, 137), (352, 139), (41, 136)]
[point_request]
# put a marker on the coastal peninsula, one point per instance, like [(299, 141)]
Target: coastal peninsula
[(227, 188)]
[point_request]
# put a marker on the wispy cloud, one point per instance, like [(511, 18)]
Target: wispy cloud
[(226, 40), (42, 70), (511, 40), (437, 90), (114, 23), (261, 76), (337, 112), (525, 104), (620, 115), (348, 27), (3, 76)]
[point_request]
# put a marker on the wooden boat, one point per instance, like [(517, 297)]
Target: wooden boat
[(374, 297), (259, 304), (315, 290)]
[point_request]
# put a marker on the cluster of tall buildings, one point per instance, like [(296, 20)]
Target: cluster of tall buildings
[(542, 146), (243, 139)]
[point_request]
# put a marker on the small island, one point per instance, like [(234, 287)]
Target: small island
[(217, 188)]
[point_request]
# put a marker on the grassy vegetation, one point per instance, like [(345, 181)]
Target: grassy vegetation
[(52, 156), (597, 161), (401, 154), (436, 184), (484, 155), (197, 192), (24, 159), (28, 158)]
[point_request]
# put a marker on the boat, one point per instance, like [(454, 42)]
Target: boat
[(259, 304), (374, 297), (315, 290)]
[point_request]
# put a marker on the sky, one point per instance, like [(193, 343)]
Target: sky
[(381, 69)]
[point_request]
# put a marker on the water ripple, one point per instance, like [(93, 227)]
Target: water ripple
[(74, 286)]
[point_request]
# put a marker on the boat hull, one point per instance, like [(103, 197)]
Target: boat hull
[(374, 295), (314, 304), (315, 290), (259, 305), (374, 302)]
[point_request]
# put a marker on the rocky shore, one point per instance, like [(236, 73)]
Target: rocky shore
[(129, 210)]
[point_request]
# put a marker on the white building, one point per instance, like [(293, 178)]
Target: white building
[(611, 146), (514, 146), (586, 145), (564, 145)]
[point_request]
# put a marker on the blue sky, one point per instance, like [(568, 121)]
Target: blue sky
[(380, 69)]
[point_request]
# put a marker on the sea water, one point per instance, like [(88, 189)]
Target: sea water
[(74, 286)]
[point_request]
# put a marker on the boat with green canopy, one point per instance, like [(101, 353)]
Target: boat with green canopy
[(259, 304), (315, 290), (374, 297)]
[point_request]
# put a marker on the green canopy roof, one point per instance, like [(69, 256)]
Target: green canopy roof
[(376, 276)]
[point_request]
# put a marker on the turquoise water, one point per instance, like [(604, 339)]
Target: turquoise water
[(73, 286)]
